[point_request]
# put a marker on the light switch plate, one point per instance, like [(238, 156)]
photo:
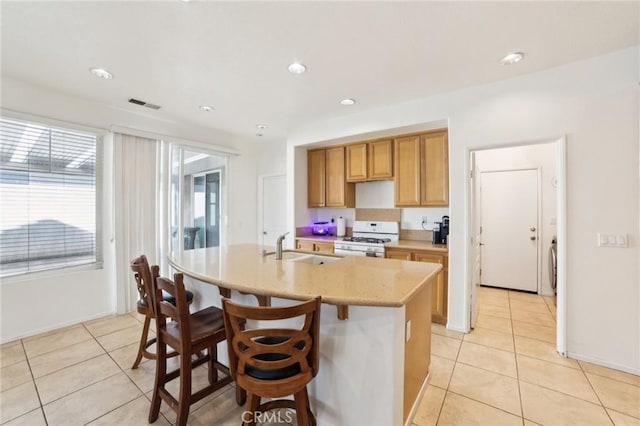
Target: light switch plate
[(408, 331)]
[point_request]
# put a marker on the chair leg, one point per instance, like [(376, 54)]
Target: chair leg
[(184, 397), (253, 403), (161, 372), (241, 395), (213, 357), (302, 407), (143, 341)]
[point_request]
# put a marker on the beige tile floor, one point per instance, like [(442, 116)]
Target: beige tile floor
[(505, 372)]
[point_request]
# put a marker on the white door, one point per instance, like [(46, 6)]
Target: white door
[(510, 229), (274, 208), (476, 240)]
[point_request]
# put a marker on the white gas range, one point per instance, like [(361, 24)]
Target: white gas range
[(368, 239)]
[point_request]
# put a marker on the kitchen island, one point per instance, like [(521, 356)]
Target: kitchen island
[(374, 364)]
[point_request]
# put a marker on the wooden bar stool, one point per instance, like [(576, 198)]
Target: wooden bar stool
[(187, 334), (274, 362), (144, 275)]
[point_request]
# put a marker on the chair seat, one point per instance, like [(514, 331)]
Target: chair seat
[(167, 297), (204, 324)]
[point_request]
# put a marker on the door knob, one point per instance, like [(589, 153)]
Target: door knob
[(533, 229), (532, 238)]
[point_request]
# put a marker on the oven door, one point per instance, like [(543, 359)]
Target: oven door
[(347, 252)]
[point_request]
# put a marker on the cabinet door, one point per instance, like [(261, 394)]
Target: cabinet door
[(397, 254), (304, 245), (356, 162), (407, 171), (339, 193), (435, 170), (438, 287), (323, 247), (381, 159), (316, 178)]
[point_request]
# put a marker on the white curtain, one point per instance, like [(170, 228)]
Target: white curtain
[(135, 210)]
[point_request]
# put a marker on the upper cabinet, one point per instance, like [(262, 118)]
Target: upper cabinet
[(370, 161), (422, 170), (327, 184), (316, 178)]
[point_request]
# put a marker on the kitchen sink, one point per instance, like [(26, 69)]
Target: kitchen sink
[(315, 259), (312, 259)]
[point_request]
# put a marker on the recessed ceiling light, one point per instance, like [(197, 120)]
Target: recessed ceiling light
[(512, 58), (261, 126), (348, 102), (206, 108), (101, 72), (297, 68)]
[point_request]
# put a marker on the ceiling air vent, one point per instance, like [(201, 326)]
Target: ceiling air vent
[(143, 103)]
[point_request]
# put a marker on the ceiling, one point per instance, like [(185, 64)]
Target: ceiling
[(234, 55)]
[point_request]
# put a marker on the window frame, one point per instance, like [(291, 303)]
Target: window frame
[(100, 214)]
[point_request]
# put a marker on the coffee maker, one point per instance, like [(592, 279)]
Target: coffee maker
[(441, 231)]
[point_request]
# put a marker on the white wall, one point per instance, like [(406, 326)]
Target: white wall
[(48, 300), (595, 104), (542, 156), (34, 304)]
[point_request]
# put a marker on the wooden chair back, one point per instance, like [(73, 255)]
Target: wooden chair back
[(144, 276), (273, 348), (178, 312)]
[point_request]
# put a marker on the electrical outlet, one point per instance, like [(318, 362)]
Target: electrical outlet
[(425, 219)]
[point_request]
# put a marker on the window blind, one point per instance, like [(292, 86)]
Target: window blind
[(48, 191)]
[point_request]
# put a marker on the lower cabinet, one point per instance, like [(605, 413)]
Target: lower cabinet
[(317, 246), (439, 287)]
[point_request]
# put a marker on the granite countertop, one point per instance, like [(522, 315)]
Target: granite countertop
[(418, 245), (351, 280)]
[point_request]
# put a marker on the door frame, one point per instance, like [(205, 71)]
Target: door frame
[(261, 179), (539, 249), (561, 222)]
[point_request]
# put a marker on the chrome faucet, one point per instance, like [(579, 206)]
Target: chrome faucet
[(279, 246)]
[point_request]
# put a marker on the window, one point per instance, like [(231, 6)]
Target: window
[(47, 197)]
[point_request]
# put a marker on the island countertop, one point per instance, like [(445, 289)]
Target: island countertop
[(351, 280)]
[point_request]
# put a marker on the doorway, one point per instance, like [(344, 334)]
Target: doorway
[(541, 163)]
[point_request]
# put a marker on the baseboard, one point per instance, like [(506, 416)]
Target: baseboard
[(603, 363), (54, 327), (456, 328), (416, 403)]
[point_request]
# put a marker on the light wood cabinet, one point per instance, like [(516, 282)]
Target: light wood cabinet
[(357, 162), (435, 169), (317, 246), (316, 178), (439, 285), (380, 160), (407, 167), (421, 165), (370, 161), (327, 185)]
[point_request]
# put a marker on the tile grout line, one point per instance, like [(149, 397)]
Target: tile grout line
[(35, 385), (596, 393), (515, 358)]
